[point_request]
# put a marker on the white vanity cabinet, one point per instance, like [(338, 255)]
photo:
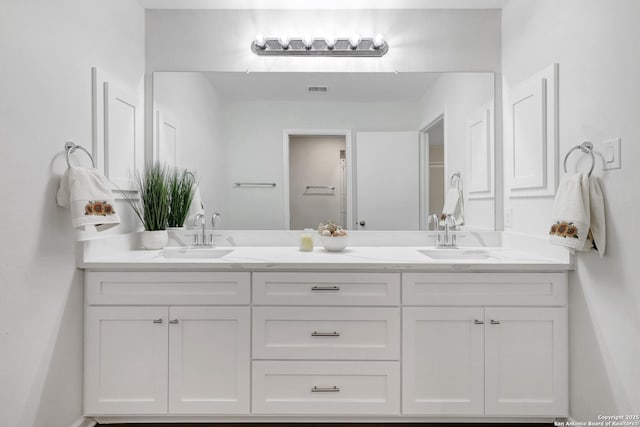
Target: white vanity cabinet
[(490, 359), (344, 345), (164, 359)]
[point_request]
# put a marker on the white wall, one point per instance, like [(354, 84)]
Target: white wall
[(420, 40), (595, 43), (457, 95), (255, 142), (193, 101), (48, 49)]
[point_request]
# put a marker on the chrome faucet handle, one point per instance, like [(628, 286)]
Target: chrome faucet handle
[(216, 217)]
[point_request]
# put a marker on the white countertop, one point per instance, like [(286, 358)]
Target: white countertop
[(254, 258)]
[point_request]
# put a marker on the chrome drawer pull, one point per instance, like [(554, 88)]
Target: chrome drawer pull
[(325, 288), (478, 322), (174, 321), (494, 322), (157, 320), (316, 389), (325, 334)]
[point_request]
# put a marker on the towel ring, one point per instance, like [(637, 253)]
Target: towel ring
[(455, 180), (70, 147), (587, 148)]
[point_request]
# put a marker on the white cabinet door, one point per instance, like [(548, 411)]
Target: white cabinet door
[(126, 360), (387, 163), (526, 361), (209, 360), (442, 361)]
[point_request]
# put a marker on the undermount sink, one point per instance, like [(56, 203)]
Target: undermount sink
[(453, 254), (195, 252)]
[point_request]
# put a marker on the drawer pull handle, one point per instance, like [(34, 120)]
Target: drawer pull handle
[(157, 320), (174, 321), (325, 288), (316, 389), (478, 322), (495, 322), (325, 334)]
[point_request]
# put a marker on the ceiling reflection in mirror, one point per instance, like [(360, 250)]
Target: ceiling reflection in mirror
[(368, 151)]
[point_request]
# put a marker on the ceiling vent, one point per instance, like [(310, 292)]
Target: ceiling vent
[(317, 89)]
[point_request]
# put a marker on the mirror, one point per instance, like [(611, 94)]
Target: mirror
[(370, 151)]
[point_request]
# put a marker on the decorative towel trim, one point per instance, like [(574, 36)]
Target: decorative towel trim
[(564, 229), (99, 208)]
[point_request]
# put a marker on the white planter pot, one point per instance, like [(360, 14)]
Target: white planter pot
[(154, 239)]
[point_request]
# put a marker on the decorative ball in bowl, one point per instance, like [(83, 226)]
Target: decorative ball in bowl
[(333, 237)]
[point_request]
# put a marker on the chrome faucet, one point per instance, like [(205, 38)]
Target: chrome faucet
[(199, 220), (449, 238)]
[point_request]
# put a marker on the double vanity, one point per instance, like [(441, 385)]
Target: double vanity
[(376, 333)]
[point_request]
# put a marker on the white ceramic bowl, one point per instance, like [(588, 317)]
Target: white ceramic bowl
[(334, 244)]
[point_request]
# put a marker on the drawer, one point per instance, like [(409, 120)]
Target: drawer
[(326, 289), (167, 288), (326, 388), (519, 289), (326, 333)]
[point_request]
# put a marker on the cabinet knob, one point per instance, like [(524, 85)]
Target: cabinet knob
[(494, 322), (157, 320), (362, 223)]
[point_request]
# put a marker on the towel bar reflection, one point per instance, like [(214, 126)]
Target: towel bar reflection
[(70, 147), (254, 184), (587, 148)]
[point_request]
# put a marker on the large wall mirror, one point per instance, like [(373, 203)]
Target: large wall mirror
[(370, 151)]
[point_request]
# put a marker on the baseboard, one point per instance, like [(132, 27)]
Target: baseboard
[(84, 422)]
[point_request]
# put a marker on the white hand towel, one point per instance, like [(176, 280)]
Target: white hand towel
[(88, 194), (578, 214), (453, 205), (196, 207)]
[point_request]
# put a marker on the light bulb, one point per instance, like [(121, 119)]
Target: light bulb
[(307, 40), (260, 41), (378, 41), (284, 42), (330, 41), (354, 41)]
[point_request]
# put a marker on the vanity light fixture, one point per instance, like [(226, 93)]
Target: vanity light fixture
[(327, 46)]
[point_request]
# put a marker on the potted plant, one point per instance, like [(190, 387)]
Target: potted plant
[(182, 185), (151, 206)]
